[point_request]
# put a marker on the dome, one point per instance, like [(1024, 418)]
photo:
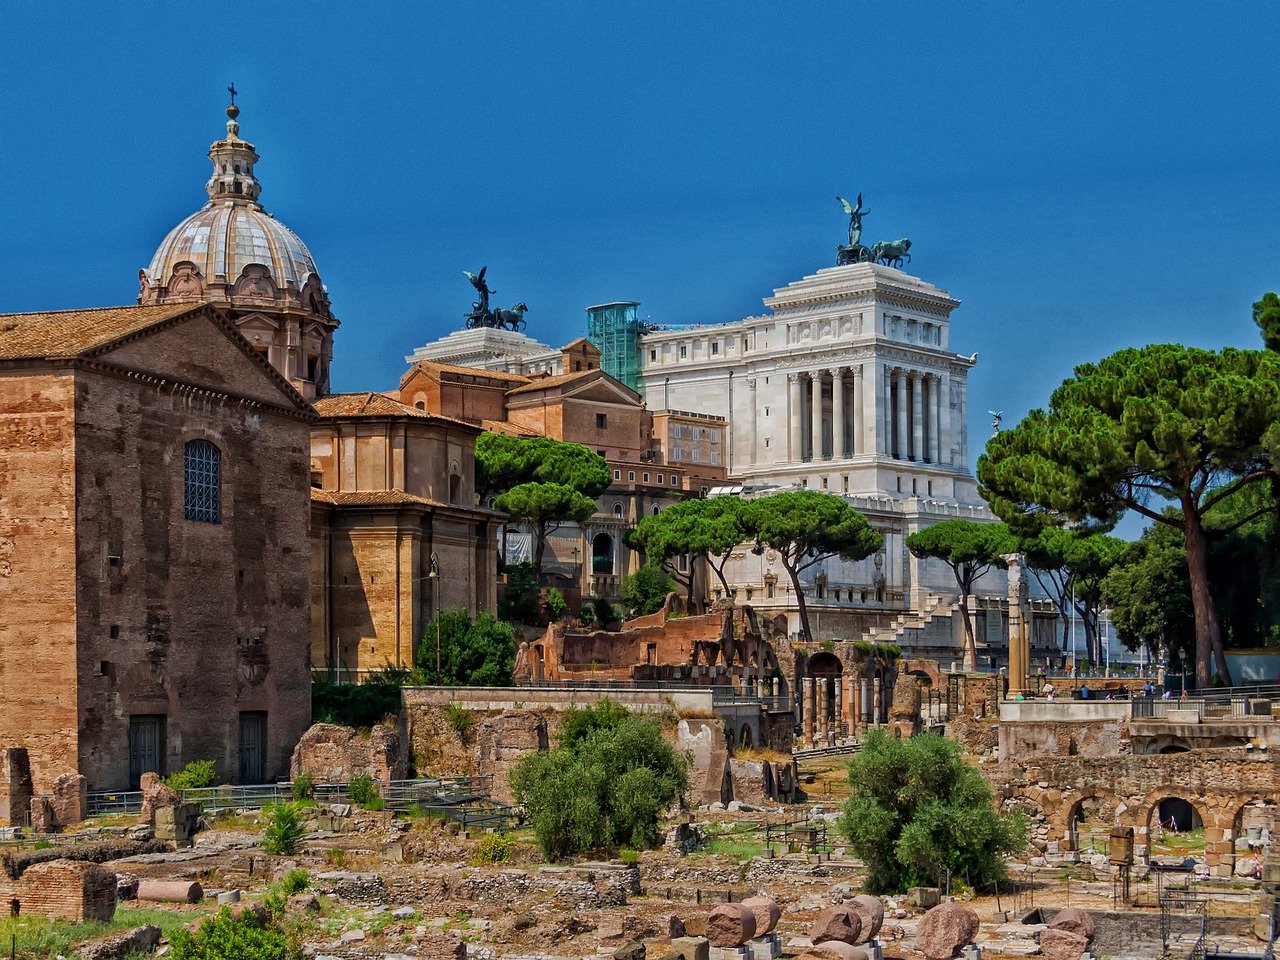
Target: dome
[(234, 254), (225, 237), (232, 250)]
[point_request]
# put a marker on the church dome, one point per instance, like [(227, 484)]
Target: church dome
[(232, 250)]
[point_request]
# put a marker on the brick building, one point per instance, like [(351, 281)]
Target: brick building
[(153, 546), (395, 531), (580, 404)]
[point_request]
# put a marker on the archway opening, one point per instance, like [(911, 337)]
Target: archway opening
[(1251, 837), (602, 554), (826, 670), (1175, 830), (1089, 826)]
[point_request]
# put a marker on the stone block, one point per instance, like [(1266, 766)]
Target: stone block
[(946, 929), (840, 923), (170, 891), (70, 799), (1183, 715), (730, 924), (690, 948), (924, 897), (115, 945)]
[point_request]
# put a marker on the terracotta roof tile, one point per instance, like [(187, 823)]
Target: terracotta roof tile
[(71, 333), (549, 383), (470, 371), (372, 498), (374, 405)]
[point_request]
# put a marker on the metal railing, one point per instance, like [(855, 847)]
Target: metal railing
[(1234, 700), (720, 692), (396, 795)]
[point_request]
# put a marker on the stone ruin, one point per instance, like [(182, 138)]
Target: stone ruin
[(335, 754), (58, 889)]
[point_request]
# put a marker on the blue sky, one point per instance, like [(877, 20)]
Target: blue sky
[(1083, 176)]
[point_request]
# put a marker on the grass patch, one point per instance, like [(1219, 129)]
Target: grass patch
[(42, 939)]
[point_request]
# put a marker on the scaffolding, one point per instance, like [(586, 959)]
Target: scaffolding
[(615, 332)]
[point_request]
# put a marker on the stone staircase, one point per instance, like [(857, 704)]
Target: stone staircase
[(929, 634)]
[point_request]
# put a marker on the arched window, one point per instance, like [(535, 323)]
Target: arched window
[(617, 509), (202, 482)]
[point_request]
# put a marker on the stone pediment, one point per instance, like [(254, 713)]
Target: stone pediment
[(203, 350)]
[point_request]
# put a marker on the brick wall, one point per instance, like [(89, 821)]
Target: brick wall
[(38, 696), (62, 889), (195, 622)]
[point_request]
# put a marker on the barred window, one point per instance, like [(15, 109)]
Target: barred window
[(202, 476)]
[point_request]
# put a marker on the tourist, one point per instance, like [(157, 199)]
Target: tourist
[(1084, 691)]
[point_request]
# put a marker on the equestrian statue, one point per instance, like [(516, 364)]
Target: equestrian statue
[(890, 253)]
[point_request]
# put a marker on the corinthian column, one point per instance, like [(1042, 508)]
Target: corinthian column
[(935, 397), (900, 381), (793, 417), (917, 417), (858, 442), (755, 421), (837, 414), (815, 425)]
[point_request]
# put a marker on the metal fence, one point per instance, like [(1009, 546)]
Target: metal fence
[(720, 693), (1231, 701), (396, 794)]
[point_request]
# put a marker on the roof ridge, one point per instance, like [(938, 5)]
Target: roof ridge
[(123, 306)]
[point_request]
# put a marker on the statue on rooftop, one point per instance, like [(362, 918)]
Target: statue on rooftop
[(890, 253), (482, 316), (856, 213)]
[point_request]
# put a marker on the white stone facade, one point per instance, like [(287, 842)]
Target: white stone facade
[(487, 348), (849, 386)]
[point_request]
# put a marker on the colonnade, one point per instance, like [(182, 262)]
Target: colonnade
[(835, 413), (841, 706), (917, 415)]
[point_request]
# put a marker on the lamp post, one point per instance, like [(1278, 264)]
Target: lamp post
[(434, 577)]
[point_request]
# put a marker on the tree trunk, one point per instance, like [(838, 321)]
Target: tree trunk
[(970, 641), (539, 547), (728, 594), (805, 633), (1209, 652)]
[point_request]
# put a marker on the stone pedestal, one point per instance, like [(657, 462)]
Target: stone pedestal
[(768, 947), (742, 952)]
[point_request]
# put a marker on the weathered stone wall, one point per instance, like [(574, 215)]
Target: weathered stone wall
[(62, 889), (196, 623), (1220, 784), (335, 754), (37, 569)]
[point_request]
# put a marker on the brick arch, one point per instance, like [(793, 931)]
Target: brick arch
[(927, 667)]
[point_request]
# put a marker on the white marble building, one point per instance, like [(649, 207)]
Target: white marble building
[(848, 385)]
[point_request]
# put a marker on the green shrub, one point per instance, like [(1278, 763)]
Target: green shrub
[(362, 790), (196, 774), (644, 591), (460, 719), (557, 605), (336, 857), (359, 704), (227, 937), (919, 810), (605, 784), (295, 881), (606, 613), (628, 856), (303, 787), (493, 848), (586, 615), (479, 652), (284, 829), (519, 600)]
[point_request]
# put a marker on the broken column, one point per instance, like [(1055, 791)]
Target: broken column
[(807, 710), (1019, 626)]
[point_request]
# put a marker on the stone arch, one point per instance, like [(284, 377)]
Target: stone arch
[(1252, 826), (1188, 811), (1087, 820)]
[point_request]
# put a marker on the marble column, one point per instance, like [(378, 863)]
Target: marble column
[(815, 418), (823, 706), (885, 422), (917, 417), (837, 414), (752, 456), (855, 705), (900, 382), (935, 397), (808, 711), (858, 442), (944, 418), (877, 689), (793, 417), (866, 700)]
